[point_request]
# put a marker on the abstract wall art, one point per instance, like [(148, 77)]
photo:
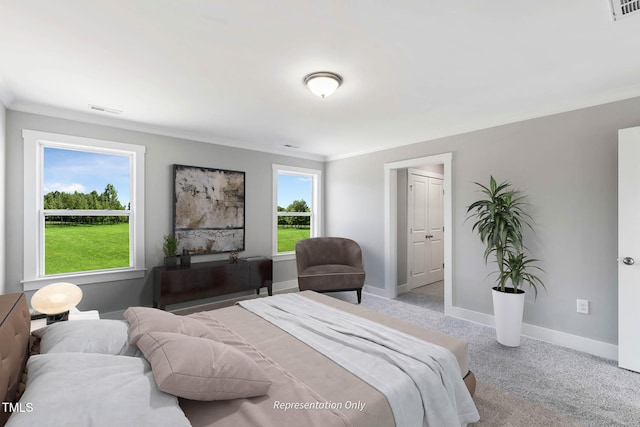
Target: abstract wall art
[(208, 209)]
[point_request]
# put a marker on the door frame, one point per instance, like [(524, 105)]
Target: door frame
[(391, 223)]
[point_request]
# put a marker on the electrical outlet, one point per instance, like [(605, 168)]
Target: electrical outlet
[(582, 306)]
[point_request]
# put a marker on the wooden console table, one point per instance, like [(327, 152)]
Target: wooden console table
[(210, 279)]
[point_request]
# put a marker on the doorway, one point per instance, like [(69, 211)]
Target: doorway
[(392, 218)]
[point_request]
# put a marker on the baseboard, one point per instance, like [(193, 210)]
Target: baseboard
[(470, 315), (563, 339), (404, 288), (575, 342), (375, 291)]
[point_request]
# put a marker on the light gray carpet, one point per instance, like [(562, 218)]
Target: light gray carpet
[(586, 389), (429, 296), (499, 408)]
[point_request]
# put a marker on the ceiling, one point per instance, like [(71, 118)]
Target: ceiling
[(230, 72)]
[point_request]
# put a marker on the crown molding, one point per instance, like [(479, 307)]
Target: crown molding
[(591, 100), (6, 96), (120, 123)]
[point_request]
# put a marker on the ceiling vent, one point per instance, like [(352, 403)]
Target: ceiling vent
[(623, 8), (110, 110)]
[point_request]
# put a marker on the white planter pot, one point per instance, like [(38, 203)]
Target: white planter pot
[(508, 309)]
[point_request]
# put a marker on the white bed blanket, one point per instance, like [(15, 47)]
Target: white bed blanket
[(422, 381)]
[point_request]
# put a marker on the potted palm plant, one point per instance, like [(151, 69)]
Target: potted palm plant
[(499, 220), (170, 250)]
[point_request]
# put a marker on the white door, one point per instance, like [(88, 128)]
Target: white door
[(426, 234), (629, 249), (435, 218)]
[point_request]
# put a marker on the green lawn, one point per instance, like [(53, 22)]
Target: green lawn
[(287, 237), (70, 248)]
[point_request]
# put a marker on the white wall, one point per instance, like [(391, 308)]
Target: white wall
[(161, 153), (566, 163), (3, 192)]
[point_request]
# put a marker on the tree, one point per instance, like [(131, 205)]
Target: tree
[(298, 221), (298, 206), (56, 200), (110, 198), (93, 200)]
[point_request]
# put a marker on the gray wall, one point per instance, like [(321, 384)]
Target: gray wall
[(3, 192), (161, 153), (565, 163)]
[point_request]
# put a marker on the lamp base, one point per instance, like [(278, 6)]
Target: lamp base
[(53, 318)]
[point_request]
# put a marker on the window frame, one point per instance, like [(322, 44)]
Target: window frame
[(34, 212), (316, 206)]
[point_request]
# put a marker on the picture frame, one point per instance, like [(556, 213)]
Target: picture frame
[(208, 209)]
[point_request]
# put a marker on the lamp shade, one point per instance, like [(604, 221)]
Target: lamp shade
[(323, 83), (56, 298)]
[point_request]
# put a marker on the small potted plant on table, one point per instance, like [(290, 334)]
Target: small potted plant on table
[(170, 249)]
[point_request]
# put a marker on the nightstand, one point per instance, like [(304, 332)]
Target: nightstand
[(74, 314)]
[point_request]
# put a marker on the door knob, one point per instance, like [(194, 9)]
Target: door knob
[(628, 261), (429, 236)]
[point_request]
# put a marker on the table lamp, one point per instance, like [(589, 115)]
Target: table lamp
[(55, 300)]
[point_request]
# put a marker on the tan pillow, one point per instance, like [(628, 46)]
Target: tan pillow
[(145, 319), (201, 369)]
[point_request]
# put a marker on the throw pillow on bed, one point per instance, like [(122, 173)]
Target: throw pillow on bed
[(146, 319), (201, 369)]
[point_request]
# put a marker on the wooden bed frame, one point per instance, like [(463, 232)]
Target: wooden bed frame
[(15, 323)]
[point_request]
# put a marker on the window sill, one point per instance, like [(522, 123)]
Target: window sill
[(84, 278)]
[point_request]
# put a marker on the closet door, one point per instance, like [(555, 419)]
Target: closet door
[(426, 234)]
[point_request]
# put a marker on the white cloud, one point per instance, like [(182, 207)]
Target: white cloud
[(65, 188)]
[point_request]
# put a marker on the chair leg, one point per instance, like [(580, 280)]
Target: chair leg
[(359, 292)]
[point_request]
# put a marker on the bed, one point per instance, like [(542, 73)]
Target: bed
[(280, 378)]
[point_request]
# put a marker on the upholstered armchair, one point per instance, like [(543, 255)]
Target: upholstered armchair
[(330, 264)]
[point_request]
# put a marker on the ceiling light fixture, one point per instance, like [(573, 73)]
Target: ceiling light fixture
[(323, 83)]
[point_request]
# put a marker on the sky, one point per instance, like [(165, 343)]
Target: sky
[(69, 171), (293, 187)]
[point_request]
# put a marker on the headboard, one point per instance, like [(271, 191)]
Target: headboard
[(15, 323)]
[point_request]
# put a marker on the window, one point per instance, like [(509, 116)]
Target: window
[(84, 210), (296, 213)]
